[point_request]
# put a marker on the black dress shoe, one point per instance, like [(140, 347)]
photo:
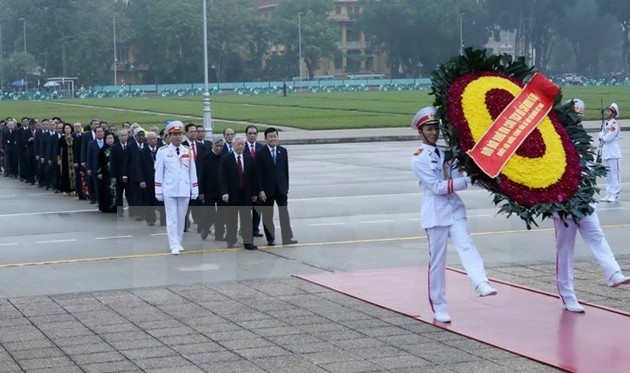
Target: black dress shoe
[(92, 202), (270, 243), (257, 234), (289, 242), (250, 247), (204, 234)]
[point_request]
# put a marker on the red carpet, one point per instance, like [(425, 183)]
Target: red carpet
[(524, 321)]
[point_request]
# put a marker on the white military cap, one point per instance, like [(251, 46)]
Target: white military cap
[(615, 109), (425, 115), (174, 126), (137, 130)]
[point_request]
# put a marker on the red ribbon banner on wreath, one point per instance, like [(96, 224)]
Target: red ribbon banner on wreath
[(513, 125)]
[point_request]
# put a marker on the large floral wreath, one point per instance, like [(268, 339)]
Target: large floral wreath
[(552, 170)]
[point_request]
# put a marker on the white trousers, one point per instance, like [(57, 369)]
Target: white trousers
[(593, 236), (468, 255), (176, 208), (613, 179)]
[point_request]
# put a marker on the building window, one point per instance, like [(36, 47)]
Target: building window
[(352, 34), (337, 10)]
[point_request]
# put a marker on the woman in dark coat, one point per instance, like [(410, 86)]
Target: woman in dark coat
[(68, 160), (107, 196)]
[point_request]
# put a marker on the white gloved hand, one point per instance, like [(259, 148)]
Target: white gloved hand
[(159, 197), (194, 196)]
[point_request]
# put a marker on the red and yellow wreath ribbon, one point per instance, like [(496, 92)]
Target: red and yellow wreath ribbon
[(493, 150)]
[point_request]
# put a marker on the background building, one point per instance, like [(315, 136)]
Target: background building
[(356, 55)]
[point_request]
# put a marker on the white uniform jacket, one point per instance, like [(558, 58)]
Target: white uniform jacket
[(609, 137), (438, 181), (175, 176)]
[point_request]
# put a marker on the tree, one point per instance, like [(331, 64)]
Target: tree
[(533, 23), (18, 66), (169, 36), (319, 33), (586, 47), (416, 43), (620, 9), (227, 25)]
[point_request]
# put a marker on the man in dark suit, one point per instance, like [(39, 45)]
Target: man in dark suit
[(86, 139), (124, 169), (40, 168), (201, 137), (48, 128), (196, 150), (252, 146), (238, 191), (91, 161), (28, 142), (21, 138), (9, 143), (210, 193), (147, 178), (272, 165), (52, 151), (228, 138)]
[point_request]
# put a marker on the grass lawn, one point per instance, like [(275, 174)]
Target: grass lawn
[(311, 111)]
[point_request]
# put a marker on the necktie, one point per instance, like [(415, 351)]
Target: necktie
[(437, 152), (100, 143), (229, 148), (177, 151), (239, 166), (194, 151), (153, 154), (124, 146), (252, 151), (273, 155)]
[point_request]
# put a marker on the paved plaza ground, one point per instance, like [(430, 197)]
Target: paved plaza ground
[(73, 301)]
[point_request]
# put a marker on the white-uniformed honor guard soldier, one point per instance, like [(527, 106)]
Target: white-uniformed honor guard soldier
[(593, 235), (443, 214), (610, 152), (175, 183)]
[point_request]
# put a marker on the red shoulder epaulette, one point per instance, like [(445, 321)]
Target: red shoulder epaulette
[(417, 152)]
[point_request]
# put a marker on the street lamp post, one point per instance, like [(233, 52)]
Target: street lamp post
[(24, 28), (115, 58), (461, 35), (24, 35), (207, 114), (300, 43)]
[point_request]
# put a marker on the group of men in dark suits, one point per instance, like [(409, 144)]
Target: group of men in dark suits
[(241, 183), (238, 176), (30, 150)]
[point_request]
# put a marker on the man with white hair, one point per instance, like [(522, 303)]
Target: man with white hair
[(147, 158)]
